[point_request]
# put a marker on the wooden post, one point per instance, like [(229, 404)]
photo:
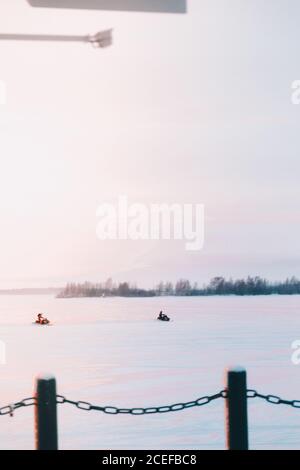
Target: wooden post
[(45, 414), (236, 409)]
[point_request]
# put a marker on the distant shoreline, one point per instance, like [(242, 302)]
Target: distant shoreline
[(218, 287), (173, 295)]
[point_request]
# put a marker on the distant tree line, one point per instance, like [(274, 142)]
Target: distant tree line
[(106, 289), (183, 287)]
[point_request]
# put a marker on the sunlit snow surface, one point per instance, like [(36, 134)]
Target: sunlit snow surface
[(114, 352)]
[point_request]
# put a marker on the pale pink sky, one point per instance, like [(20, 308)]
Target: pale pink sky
[(182, 108)]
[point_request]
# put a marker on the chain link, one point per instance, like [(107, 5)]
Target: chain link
[(9, 409), (112, 410)]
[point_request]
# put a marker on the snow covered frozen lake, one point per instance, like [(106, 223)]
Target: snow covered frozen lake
[(114, 352)]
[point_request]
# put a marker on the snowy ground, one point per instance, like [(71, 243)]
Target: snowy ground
[(114, 352)]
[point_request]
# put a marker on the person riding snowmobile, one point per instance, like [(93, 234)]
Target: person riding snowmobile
[(41, 320), (162, 316)]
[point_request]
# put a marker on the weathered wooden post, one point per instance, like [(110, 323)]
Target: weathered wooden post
[(46, 414), (236, 409)]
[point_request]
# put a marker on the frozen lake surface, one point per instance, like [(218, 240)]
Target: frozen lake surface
[(114, 352)]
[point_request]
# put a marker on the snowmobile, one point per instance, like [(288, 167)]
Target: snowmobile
[(163, 318), (41, 320), (45, 321)]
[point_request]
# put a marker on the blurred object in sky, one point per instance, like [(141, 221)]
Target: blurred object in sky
[(101, 39), (163, 6)]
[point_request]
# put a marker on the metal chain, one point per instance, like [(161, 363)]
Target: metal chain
[(112, 410), (9, 409), (273, 399)]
